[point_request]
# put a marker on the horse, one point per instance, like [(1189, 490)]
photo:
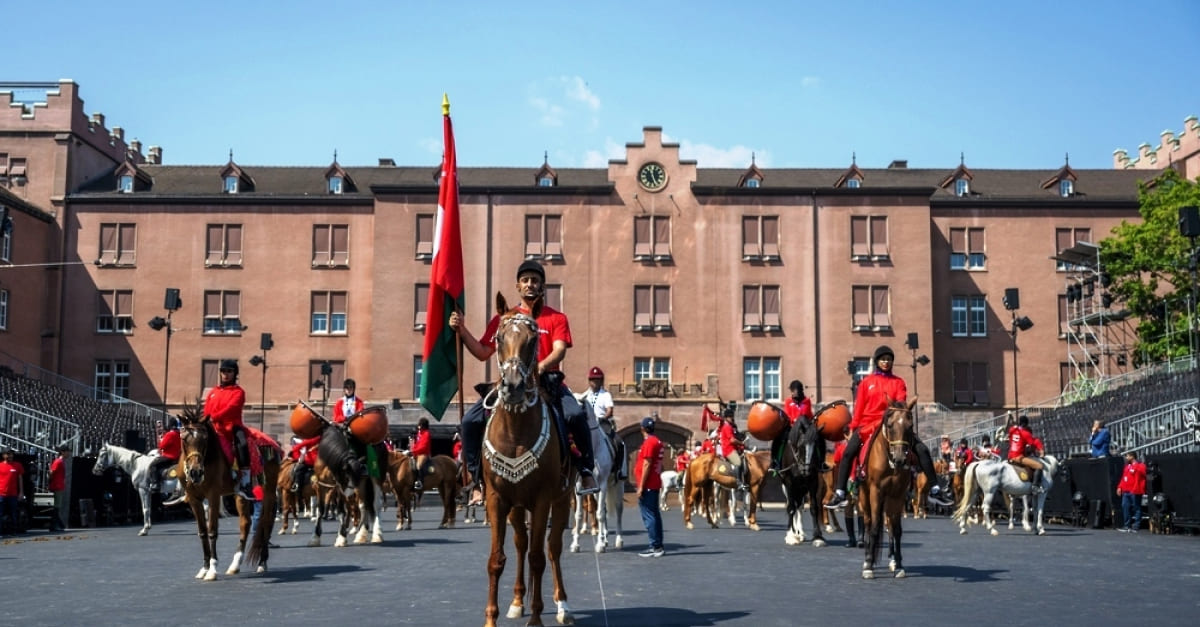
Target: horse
[(208, 476), (920, 497), (354, 482), (137, 466), (672, 481), (881, 497), (526, 471), (441, 472), (801, 478), (399, 476), (993, 475), (611, 495), (290, 502), (828, 478), (709, 471)]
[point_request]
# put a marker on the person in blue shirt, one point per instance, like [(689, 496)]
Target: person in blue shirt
[(1101, 439)]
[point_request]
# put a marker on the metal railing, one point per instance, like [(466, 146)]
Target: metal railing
[(1169, 428)]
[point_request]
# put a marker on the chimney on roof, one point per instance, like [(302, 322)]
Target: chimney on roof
[(98, 119), (155, 155), (385, 162), (118, 133), (135, 147), (898, 164)]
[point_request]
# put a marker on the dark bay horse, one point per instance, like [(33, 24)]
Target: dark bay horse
[(528, 478), (882, 496), (801, 478), (350, 474), (208, 476)]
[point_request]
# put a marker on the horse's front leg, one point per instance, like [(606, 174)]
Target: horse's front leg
[(873, 527), (495, 566), (344, 519), (209, 564), (214, 522), (537, 561), (895, 531), (517, 518), (318, 508), (144, 492), (577, 522), (602, 516), (814, 510), (1025, 500), (617, 502), (987, 513), (558, 516), (245, 511), (1041, 507)]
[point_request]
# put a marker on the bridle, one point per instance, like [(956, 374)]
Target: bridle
[(903, 443), (515, 365)]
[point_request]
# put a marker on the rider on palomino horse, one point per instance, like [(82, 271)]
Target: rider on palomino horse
[(224, 406), (731, 447), (555, 338), (875, 392), (1022, 448), (798, 409)]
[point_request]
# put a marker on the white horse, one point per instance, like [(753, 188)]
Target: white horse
[(996, 475), (137, 466), (610, 496), (672, 481)]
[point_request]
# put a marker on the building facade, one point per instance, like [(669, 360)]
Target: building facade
[(685, 284)]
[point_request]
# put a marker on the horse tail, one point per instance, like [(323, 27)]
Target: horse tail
[(968, 491), (257, 555)]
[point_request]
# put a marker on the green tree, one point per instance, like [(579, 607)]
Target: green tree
[(1148, 263)]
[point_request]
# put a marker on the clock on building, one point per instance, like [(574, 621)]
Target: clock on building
[(652, 176)]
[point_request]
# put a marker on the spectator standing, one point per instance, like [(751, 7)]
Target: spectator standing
[(648, 472), (58, 485), (1131, 489), (1101, 439), (12, 491)]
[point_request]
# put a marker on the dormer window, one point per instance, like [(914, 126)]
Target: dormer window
[(231, 184), (962, 187), (125, 184), (335, 184), (753, 182), (853, 183), (546, 181), (1066, 188)]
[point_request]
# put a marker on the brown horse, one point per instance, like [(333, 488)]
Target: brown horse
[(708, 472), (291, 504), (208, 476), (528, 477), (882, 496), (828, 478), (440, 472), (399, 478), (921, 493)]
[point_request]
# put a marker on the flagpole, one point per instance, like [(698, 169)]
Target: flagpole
[(458, 343)]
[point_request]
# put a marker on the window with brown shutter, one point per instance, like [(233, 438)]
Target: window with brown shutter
[(662, 308), (554, 249), (770, 237), (770, 301), (662, 238), (341, 245), (425, 236), (420, 305), (533, 237), (879, 237), (860, 303), (322, 241), (751, 246), (642, 316), (643, 247), (860, 243)]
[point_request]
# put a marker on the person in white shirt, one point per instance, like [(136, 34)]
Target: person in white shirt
[(601, 402)]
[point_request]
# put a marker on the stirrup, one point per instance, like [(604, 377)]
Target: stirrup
[(585, 491)]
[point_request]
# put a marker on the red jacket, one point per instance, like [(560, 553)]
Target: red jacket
[(58, 475), (169, 445), (795, 410), (1020, 437), (707, 447), (681, 461), (729, 443), (306, 450), (10, 478), (1133, 479), (422, 443), (339, 415), (224, 406), (456, 452), (652, 450), (875, 392)]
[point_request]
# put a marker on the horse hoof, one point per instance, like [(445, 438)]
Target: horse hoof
[(962, 532), (202, 573), (211, 576), (599, 548), (995, 533), (755, 527), (565, 618), (620, 543), (868, 574), (443, 526), (515, 611), (792, 540), (143, 532), (900, 574), (261, 570), (689, 526), (376, 539), (314, 542), (892, 566), (818, 543), (830, 529), (1041, 532), (574, 548), (340, 542)]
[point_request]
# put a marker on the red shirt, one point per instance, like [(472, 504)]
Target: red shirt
[(339, 409), (967, 456), (729, 443), (170, 446), (652, 450), (58, 475), (1133, 479), (10, 478), (795, 410), (682, 461), (875, 392), (456, 452), (224, 406), (307, 450), (422, 443), (552, 325), (707, 447), (1020, 437)]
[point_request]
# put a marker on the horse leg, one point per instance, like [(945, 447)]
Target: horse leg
[(815, 509), (214, 521), (1040, 499), (318, 507), (987, 512), (873, 524), (144, 492), (616, 500), (558, 516), (343, 523), (495, 565), (895, 531), (601, 515), (577, 522), (518, 519), (198, 515), (245, 511), (537, 561), (795, 532)]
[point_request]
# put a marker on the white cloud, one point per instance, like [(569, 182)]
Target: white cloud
[(559, 101), (809, 82), (600, 158), (708, 156), (551, 114), (577, 89)]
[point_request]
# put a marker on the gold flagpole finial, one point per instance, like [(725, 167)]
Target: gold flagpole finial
[(445, 104)]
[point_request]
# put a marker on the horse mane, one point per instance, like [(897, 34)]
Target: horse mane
[(334, 449)]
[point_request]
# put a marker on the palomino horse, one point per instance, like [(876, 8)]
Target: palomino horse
[(354, 482), (708, 472), (290, 503), (993, 475), (441, 472), (611, 495), (208, 476), (137, 466), (526, 472), (881, 497)]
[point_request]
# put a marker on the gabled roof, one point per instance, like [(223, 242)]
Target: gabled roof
[(233, 169), (751, 173), (1065, 173), (337, 170), (961, 172), (545, 171), (130, 168), (851, 173)]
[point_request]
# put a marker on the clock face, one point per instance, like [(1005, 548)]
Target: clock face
[(652, 176)]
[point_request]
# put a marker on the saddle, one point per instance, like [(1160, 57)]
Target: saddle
[(1023, 473)]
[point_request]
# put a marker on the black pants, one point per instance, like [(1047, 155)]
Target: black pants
[(475, 421), (854, 445), (241, 448), (156, 468)]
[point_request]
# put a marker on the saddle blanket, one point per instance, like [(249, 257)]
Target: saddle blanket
[(261, 447)]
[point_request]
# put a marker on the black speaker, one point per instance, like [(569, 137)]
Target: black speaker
[(266, 343), (1189, 221), (1012, 298), (172, 301), (911, 343)]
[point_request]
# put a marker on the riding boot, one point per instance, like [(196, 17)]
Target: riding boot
[(417, 485), (853, 446), (1037, 481), (297, 472), (244, 488)]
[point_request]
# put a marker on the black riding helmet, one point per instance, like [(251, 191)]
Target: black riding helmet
[(230, 364), (881, 351), (529, 265)]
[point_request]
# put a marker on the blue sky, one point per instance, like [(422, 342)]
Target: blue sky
[(1013, 84)]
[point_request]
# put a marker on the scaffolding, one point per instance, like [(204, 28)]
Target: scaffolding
[(1100, 337)]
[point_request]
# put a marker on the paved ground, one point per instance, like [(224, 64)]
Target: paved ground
[(725, 577)]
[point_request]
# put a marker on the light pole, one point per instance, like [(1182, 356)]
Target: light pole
[(266, 344), (913, 344), (1012, 302), (171, 303)]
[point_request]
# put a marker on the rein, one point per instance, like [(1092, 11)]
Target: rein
[(526, 372)]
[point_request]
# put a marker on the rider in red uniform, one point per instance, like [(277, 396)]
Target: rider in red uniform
[(731, 447), (1022, 448), (798, 409), (305, 454), (169, 449), (349, 404), (224, 407), (875, 392), (422, 446)]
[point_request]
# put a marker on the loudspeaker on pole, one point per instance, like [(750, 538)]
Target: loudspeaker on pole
[(1189, 221)]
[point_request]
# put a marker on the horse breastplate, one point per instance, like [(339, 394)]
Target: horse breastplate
[(514, 469)]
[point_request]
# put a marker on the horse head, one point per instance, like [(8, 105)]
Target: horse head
[(103, 460), (194, 438), (896, 430), (516, 355), (347, 469)]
